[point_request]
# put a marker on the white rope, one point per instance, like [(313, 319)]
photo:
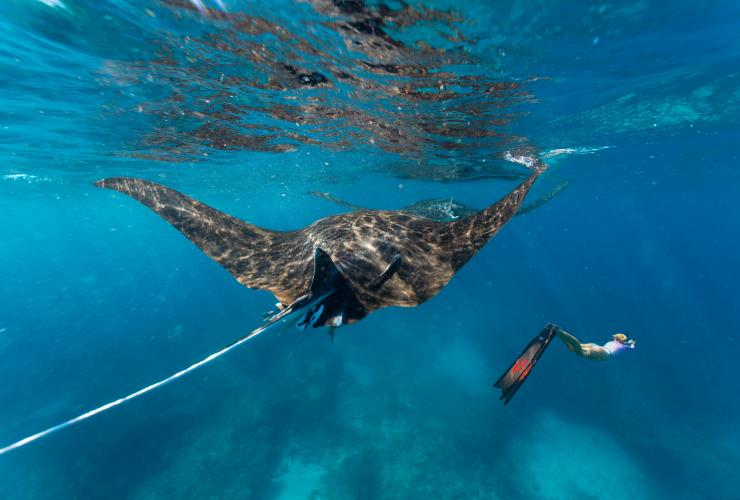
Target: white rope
[(275, 319)]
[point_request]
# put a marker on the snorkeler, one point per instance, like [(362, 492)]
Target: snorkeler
[(597, 352), (520, 369)]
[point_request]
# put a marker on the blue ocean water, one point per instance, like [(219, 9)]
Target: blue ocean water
[(249, 106)]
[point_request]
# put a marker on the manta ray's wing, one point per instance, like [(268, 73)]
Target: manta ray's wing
[(277, 261)]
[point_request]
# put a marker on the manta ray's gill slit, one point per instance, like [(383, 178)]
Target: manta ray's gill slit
[(280, 318)]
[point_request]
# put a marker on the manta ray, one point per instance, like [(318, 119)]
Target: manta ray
[(360, 260), (332, 272)]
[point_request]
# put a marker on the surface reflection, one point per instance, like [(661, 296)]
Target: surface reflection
[(357, 75)]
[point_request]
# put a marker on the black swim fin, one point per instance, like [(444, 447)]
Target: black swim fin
[(517, 373)]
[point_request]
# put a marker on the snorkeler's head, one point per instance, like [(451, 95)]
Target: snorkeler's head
[(620, 337)]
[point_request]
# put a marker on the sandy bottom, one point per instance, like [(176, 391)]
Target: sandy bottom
[(299, 480), (564, 460)]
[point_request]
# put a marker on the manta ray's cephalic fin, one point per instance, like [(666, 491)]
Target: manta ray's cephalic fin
[(327, 280), (386, 274)]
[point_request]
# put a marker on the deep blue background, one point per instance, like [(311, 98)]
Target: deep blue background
[(100, 297)]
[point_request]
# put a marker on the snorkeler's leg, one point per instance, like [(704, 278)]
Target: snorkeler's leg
[(569, 340)]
